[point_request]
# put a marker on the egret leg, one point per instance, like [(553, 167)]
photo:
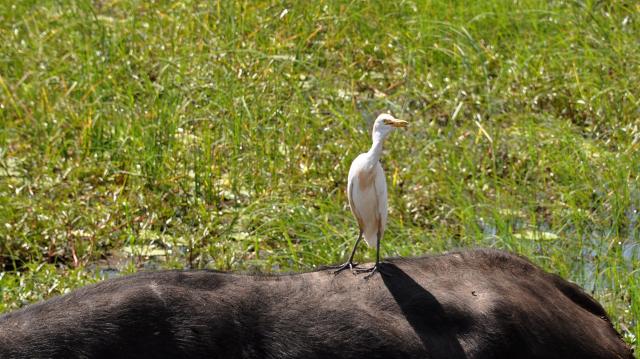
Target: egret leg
[(377, 266), (349, 263)]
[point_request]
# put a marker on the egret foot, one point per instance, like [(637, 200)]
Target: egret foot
[(339, 269), (349, 263), (378, 267)]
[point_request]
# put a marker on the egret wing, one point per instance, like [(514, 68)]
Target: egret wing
[(352, 205), (351, 196), (381, 194)]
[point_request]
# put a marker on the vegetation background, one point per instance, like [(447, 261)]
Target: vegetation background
[(193, 134)]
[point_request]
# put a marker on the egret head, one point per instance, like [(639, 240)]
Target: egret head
[(385, 123)]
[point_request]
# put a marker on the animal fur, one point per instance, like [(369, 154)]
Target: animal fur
[(472, 304)]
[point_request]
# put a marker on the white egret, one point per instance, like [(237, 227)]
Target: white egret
[(367, 191)]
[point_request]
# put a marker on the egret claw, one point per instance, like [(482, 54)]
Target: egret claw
[(372, 270), (349, 265)]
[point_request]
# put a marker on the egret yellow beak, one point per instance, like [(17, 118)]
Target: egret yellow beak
[(396, 123)]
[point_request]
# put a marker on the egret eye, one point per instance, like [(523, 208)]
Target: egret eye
[(388, 121)]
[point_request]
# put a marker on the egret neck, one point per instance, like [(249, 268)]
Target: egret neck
[(376, 148)]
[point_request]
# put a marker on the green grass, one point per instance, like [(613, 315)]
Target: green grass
[(219, 135)]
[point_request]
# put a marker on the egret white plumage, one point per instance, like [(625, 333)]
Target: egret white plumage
[(367, 191)]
